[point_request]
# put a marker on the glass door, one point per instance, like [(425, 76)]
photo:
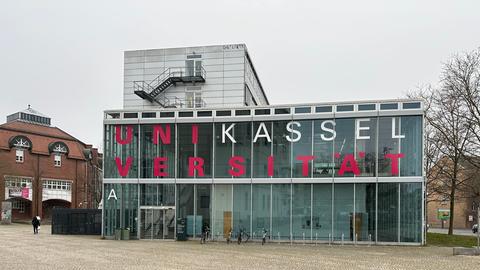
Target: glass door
[(157, 222)]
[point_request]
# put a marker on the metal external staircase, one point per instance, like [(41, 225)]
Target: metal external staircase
[(171, 76)]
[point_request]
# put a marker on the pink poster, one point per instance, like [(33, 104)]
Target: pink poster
[(25, 192)]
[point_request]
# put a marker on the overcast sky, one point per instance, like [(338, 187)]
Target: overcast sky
[(66, 59)]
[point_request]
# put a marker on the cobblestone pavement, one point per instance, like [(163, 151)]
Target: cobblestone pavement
[(21, 249)]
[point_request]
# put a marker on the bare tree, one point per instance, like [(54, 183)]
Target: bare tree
[(452, 138)]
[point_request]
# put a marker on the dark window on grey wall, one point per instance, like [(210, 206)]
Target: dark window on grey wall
[(224, 113), (411, 105), (323, 109), (148, 115), (302, 110), (242, 112), (185, 114), (282, 111), (389, 106), (204, 114), (366, 107), (262, 112), (344, 108), (130, 115), (167, 114)]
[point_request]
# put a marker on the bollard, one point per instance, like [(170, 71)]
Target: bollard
[(253, 237), (356, 237), (316, 238), (303, 238), (291, 239), (329, 239), (343, 236), (278, 233), (369, 239), (218, 235)]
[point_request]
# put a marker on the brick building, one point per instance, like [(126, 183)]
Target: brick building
[(42, 167)]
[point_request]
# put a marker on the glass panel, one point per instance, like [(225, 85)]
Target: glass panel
[(281, 150), (205, 148), (261, 150), (241, 209), (365, 212), (344, 144), (281, 195), (387, 144), (366, 107), (411, 105), (223, 151), (323, 109), (303, 147), (187, 114), (411, 212), (343, 211), (222, 207), (130, 208), (204, 113), (242, 112), (185, 206), (323, 148), (113, 149), (366, 144), (301, 212), (302, 110), (411, 146), (344, 108), (150, 151), (282, 111), (322, 211), (387, 212), (261, 209), (189, 67), (243, 136), (223, 113), (389, 106), (202, 218), (112, 209), (262, 111), (157, 194), (185, 149)]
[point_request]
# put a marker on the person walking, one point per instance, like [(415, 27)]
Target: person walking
[(264, 236), (35, 224)]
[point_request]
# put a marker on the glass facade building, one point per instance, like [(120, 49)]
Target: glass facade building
[(350, 172)]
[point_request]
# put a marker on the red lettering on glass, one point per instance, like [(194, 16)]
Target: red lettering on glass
[(123, 170), (165, 135), (349, 164), (118, 135), (237, 168), (306, 160), (394, 159), (194, 134), (270, 165), (160, 166), (195, 164)]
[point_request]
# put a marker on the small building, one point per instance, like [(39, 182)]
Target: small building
[(42, 167)]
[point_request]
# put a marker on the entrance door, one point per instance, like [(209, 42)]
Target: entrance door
[(193, 68), (157, 222)]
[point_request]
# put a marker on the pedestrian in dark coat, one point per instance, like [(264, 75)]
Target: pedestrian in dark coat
[(35, 224)]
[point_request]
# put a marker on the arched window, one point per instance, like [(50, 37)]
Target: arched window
[(59, 149), (20, 143)]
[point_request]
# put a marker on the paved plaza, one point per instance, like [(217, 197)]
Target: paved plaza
[(20, 249)]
